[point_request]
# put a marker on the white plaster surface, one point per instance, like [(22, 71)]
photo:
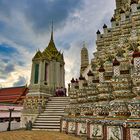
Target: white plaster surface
[(14, 126)]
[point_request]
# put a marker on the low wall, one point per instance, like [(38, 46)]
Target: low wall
[(14, 126), (102, 129)]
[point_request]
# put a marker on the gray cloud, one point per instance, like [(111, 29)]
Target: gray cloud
[(9, 68), (41, 13), (5, 70), (24, 25), (21, 81)]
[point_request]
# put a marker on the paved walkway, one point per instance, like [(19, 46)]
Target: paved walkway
[(35, 135)]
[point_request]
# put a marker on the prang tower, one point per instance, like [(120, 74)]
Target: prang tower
[(106, 105), (84, 58)]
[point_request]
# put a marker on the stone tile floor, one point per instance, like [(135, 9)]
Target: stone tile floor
[(35, 135)]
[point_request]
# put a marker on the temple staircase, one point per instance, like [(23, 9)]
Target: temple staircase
[(50, 119)]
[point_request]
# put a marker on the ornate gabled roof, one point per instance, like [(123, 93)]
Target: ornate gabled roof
[(51, 51), (51, 47), (38, 55)]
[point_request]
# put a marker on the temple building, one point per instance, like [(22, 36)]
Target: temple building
[(47, 69), (106, 105), (47, 75), (12, 97)]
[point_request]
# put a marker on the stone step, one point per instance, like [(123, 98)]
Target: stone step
[(46, 124), (52, 111), (50, 116), (47, 121), (44, 129), (59, 101), (58, 106), (53, 103), (54, 107), (50, 119), (59, 97)]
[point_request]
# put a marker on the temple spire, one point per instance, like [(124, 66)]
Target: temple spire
[(52, 32)]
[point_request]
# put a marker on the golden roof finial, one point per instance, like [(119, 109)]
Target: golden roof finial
[(52, 31)]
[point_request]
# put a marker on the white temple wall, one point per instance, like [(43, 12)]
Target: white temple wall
[(14, 126)]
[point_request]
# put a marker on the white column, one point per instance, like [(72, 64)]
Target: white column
[(40, 73), (63, 76), (32, 74), (57, 74), (53, 74), (50, 73)]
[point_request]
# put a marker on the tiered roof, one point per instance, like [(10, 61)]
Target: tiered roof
[(50, 52), (13, 95)]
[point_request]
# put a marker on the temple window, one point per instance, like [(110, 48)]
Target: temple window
[(36, 76), (46, 72)]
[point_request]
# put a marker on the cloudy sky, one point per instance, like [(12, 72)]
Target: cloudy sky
[(25, 27)]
